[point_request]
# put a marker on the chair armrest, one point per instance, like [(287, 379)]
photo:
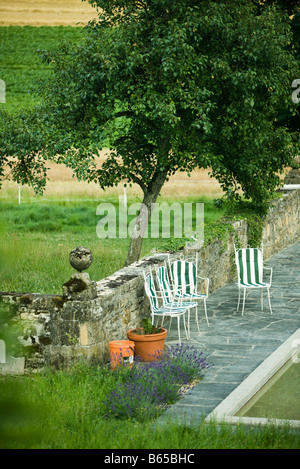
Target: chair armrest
[(207, 282), (271, 272), (177, 302)]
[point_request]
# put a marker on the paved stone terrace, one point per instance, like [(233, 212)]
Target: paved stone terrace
[(237, 344)]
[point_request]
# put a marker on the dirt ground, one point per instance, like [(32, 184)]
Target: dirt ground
[(72, 12)]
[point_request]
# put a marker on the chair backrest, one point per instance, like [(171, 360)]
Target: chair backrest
[(249, 262), (151, 292), (184, 276), (164, 284)]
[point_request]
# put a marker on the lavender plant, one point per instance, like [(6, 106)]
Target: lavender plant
[(151, 387), (189, 360)]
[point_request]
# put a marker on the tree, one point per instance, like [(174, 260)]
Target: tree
[(171, 86)]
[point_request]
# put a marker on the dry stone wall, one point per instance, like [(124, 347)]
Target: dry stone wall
[(58, 330)]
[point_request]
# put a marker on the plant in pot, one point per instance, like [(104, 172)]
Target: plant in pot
[(149, 341)]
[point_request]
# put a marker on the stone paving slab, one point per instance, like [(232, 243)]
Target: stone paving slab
[(236, 345)]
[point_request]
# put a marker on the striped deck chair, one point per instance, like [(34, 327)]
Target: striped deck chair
[(249, 263), (184, 280), (172, 310), (168, 296)]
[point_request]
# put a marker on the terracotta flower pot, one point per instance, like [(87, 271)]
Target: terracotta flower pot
[(148, 347)]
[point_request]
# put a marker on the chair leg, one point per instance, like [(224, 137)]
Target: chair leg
[(244, 301), (187, 330), (238, 305), (196, 317), (205, 310), (178, 327), (269, 300)]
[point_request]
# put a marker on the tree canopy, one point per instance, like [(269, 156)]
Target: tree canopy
[(167, 86)]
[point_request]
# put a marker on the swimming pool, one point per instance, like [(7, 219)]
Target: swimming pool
[(271, 394)]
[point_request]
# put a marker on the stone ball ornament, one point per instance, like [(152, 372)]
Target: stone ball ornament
[(81, 258)]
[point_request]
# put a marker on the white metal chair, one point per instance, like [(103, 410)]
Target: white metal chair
[(184, 276), (168, 294), (173, 309), (249, 263)]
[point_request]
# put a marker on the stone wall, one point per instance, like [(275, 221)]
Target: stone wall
[(281, 227), (59, 329)]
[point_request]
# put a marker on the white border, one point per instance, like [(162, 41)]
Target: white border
[(227, 409)]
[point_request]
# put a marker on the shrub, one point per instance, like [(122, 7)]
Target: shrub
[(150, 387)]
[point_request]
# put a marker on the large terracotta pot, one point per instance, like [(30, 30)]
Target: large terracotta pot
[(148, 347)]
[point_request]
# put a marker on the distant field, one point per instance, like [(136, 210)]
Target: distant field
[(45, 12)]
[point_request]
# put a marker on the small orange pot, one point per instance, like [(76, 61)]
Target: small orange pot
[(148, 347), (121, 353)]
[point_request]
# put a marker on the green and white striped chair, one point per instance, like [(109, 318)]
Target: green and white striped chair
[(172, 310), (168, 294), (249, 263), (184, 276)]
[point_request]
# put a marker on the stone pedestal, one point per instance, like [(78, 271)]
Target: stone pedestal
[(80, 287)]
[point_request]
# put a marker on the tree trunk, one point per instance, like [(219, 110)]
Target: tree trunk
[(141, 223)]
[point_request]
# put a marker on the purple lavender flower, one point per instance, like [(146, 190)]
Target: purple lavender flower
[(148, 388)]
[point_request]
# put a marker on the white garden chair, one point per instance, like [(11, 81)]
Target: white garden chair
[(249, 263), (184, 277), (168, 294), (174, 309)]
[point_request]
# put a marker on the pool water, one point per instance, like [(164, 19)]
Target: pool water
[(279, 398)]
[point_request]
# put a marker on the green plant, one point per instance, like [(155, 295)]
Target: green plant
[(71, 339), (147, 328), (174, 244)]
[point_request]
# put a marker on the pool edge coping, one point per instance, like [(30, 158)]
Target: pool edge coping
[(227, 409)]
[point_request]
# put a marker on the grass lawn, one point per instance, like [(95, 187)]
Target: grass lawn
[(37, 237), (66, 411)]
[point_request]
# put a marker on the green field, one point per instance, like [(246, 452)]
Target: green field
[(37, 237), (21, 66)]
